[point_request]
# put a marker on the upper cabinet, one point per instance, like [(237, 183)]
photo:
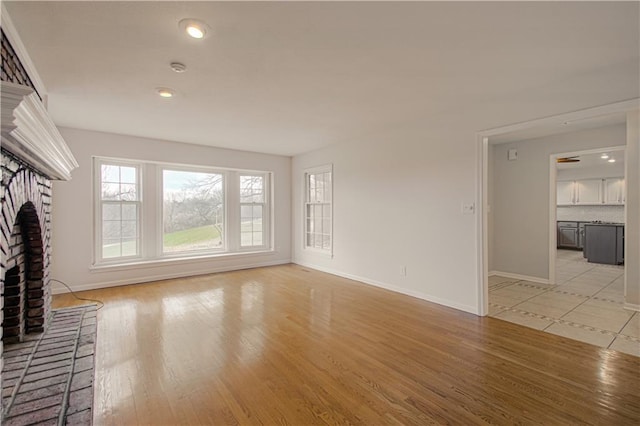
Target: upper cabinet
[(591, 192), (566, 193), (588, 191), (614, 192)]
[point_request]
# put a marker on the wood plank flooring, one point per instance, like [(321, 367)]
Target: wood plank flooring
[(286, 345)]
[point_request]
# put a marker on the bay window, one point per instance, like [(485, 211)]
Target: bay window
[(187, 211)]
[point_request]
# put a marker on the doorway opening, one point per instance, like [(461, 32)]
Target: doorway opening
[(536, 270)]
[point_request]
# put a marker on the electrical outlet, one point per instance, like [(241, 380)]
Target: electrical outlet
[(468, 208), (403, 271)]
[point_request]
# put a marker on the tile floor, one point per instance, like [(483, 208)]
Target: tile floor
[(586, 305)]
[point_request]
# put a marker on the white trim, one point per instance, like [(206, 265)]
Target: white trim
[(174, 261), (483, 226), (57, 289), (266, 211), (632, 306), (583, 114), (327, 168), (519, 277), (18, 47), (97, 257), (553, 218), (396, 289), (29, 132)]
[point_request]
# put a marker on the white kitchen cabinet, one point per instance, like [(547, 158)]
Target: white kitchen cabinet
[(614, 191), (565, 192), (588, 191), (610, 191)]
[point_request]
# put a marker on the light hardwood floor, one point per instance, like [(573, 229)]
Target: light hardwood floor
[(288, 345)]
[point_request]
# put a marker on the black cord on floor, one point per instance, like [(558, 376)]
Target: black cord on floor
[(100, 302)]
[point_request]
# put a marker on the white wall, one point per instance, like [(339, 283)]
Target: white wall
[(632, 229), (520, 193), (72, 231), (397, 202)]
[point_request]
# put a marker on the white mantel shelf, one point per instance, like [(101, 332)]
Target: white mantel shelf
[(29, 133)]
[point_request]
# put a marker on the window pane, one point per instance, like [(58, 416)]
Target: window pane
[(110, 173), (326, 210), (326, 226), (251, 189), (127, 174), (193, 210), (111, 230), (129, 229), (111, 248), (129, 212), (327, 187), (257, 212), (110, 191), (111, 211), (246, 212), (128, 192), (129, 247), (326, 242), (246, 239), (257, 238)]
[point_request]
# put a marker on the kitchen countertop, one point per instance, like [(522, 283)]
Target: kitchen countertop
[(591, 222)]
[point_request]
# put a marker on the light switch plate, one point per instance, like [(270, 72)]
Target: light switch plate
[(512, 154), (468, 208)]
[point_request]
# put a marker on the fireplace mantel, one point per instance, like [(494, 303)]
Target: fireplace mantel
[(29, 133)]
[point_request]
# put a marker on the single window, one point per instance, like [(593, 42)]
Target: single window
[(318, 209), (193, 211), (253, 211), (119, 211)]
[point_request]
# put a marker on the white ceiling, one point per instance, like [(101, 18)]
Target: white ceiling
[(291, 77), (590, 161)]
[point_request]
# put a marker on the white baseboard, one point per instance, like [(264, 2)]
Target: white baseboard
[(632, 306), (520, 277), (394, 288), (59, 289)]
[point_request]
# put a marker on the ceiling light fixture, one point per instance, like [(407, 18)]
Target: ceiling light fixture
[(612, 160), (194, 28), (178, 67), (604, 156), (165, 92)]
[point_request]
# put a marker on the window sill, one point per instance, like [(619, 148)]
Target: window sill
[(160, 262), (319, 252)]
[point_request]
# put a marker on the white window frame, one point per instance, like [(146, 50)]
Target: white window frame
[(328, 168), (98, 207), (266, 211), (225, 212), (151, 215)]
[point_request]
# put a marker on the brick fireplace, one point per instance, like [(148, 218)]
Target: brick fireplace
[(33, 154), (25, 244)]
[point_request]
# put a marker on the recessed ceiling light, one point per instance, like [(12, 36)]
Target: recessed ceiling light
[(194, 28), (165, 92), (604, 156), (612, 160)]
